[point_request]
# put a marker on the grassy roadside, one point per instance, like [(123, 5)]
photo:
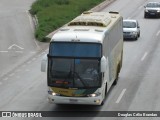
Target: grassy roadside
[(53, 14)]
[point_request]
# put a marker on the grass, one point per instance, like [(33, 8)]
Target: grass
[(53, 14)]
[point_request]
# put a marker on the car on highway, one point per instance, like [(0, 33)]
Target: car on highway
[(152, 9), (131, 29)]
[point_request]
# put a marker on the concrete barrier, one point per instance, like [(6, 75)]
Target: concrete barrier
[(102, 5)]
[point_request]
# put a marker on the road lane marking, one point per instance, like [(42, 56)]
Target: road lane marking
[(30, 20), (19, 51), (144, 56), (158, 33), (10, 47), (121, 95), (3, 51), (31, 25), (8, 51)]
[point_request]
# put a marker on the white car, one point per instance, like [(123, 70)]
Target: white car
[(131, 29)]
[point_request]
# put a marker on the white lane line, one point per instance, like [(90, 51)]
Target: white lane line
[(3, 51), (35, 41), (19, 51), (121, 95), (15, 46), (158, 33), (31, 25), (30, 20), (144, 56)]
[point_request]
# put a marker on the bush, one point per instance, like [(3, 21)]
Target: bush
[(62, 2), (53, 14)]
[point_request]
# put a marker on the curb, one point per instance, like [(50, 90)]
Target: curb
[(97, 8), (102, 5), (35, 19)]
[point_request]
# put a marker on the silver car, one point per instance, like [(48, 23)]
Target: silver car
[(131, 29)]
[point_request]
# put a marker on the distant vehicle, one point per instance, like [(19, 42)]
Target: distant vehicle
[(131, 29), (85, 58), (152, 9)]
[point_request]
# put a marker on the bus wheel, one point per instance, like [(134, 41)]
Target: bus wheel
[(104, 95), (102, 103), (117, 74), (115, 81)]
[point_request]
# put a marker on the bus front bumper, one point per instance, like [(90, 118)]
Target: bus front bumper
[(75, 100)]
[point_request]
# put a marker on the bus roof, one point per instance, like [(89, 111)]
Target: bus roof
[(88, 27)]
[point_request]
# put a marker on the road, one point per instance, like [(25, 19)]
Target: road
[(17, 42), (137, 89)]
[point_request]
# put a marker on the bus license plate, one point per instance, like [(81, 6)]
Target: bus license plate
[(73, 100)]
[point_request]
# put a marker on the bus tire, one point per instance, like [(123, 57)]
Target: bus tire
[(102, 103), (117, 74), (115, 81)]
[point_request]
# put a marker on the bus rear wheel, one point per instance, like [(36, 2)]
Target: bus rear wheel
[(117, 74)]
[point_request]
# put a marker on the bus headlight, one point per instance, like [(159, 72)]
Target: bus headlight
[(53, 93), (94, 94)]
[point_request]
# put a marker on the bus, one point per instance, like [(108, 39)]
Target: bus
[(84, 59)]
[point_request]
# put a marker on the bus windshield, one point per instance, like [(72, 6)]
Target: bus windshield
[(74, 65), (74, 73), (74, 49)]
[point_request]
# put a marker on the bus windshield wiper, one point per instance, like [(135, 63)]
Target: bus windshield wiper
[(84, 84)]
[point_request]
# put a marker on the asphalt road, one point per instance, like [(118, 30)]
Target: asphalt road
[(137, 89), (17, 42)]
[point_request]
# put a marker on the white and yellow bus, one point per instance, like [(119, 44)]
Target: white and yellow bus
[(84, 59)]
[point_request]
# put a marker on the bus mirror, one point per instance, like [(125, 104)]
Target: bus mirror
[(103, 64), (44, 63)]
